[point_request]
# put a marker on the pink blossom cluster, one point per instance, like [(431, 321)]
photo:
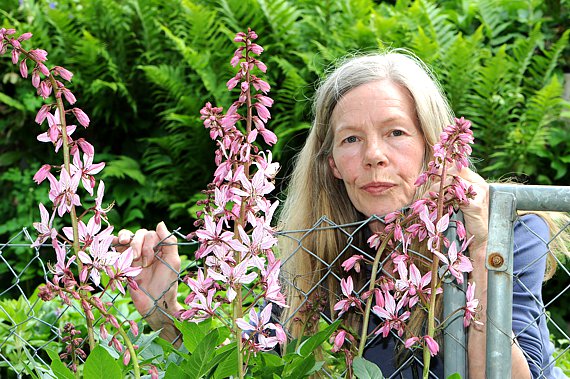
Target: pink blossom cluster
[(235, 233), (91, 242), (423, 224)]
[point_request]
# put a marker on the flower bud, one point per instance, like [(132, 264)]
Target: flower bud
[(126, 357)]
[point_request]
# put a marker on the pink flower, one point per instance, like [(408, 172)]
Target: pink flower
[(261, 239), (124, 270), (338, 341), (61, 267), (42, 113), (35, 78), (25, 36), (411, 342), (471, 306), (457, 263), (100, 258), (347, 286), (270, 281), (86, 170), (201, 307), (42, 174), (432, 345), (65, 74), (88, 232), (413, 284), (390, 313), (54, 133), (99, 211), (63, 193), (44, 227), (233, 276), (69, 96), (259, 328), (39, 55), (81, 116), (213, 239), (200, 284), (23, 68), (262, 111), (259, 186), (353, 262), (260, 85), (44, 89), (268, 136)]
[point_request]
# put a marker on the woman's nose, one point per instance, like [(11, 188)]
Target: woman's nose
[(375, 154)]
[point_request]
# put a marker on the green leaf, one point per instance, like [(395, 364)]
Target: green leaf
[(201, 360), (100, 365), (228, 367), (124, 166), (308, 346), (58, 367), (454, 376), (175, 372), (299, 367), (364, 369), (193, 333), (11, 102)]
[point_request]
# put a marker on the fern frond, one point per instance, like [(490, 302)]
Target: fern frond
[(543, 66), (282, 16)]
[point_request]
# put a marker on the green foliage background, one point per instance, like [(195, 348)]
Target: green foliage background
[(144, 68)]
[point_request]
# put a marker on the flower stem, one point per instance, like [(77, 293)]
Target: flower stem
[(73, 214), (434, 274), (133, 352), (364, 331)]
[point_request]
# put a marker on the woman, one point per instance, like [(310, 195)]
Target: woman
[(376, 120)]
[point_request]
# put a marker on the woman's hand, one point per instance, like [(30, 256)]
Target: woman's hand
[(156, 298)]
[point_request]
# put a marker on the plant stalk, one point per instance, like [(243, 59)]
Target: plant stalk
[(434, 276), (73, 214), (364, 331)]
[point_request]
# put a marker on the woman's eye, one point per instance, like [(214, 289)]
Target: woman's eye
[(397, 133), (351, 139)]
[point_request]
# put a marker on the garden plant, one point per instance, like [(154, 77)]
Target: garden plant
[(499, 64)]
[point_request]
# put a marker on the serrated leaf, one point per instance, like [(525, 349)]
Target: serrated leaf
[(100, 365), (364, 369)]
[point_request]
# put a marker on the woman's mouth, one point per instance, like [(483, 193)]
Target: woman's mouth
[(377, 188)]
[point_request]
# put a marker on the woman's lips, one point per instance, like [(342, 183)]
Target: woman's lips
[(376, 188)]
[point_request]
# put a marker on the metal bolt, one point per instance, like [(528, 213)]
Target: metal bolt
[(496, 260)]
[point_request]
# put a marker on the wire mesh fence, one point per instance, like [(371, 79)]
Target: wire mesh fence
[(30, 329)]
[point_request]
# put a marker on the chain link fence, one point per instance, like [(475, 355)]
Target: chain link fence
[(30, 327)]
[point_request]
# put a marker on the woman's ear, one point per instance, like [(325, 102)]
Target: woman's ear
[(334, 169)]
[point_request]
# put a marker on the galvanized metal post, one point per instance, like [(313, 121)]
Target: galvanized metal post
[(454, 337), (502, 214)]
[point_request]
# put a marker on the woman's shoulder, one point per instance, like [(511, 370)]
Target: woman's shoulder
[(531, 238), (531, 226)]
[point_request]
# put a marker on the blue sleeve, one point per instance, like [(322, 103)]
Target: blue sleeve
[(531, 234)]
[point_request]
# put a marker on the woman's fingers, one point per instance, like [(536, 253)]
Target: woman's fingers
[(168, 247), (123, 240)]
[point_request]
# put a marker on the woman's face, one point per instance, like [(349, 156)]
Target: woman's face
[(378, 147)]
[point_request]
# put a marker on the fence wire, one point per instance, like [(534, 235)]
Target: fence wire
[(29, 327)]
